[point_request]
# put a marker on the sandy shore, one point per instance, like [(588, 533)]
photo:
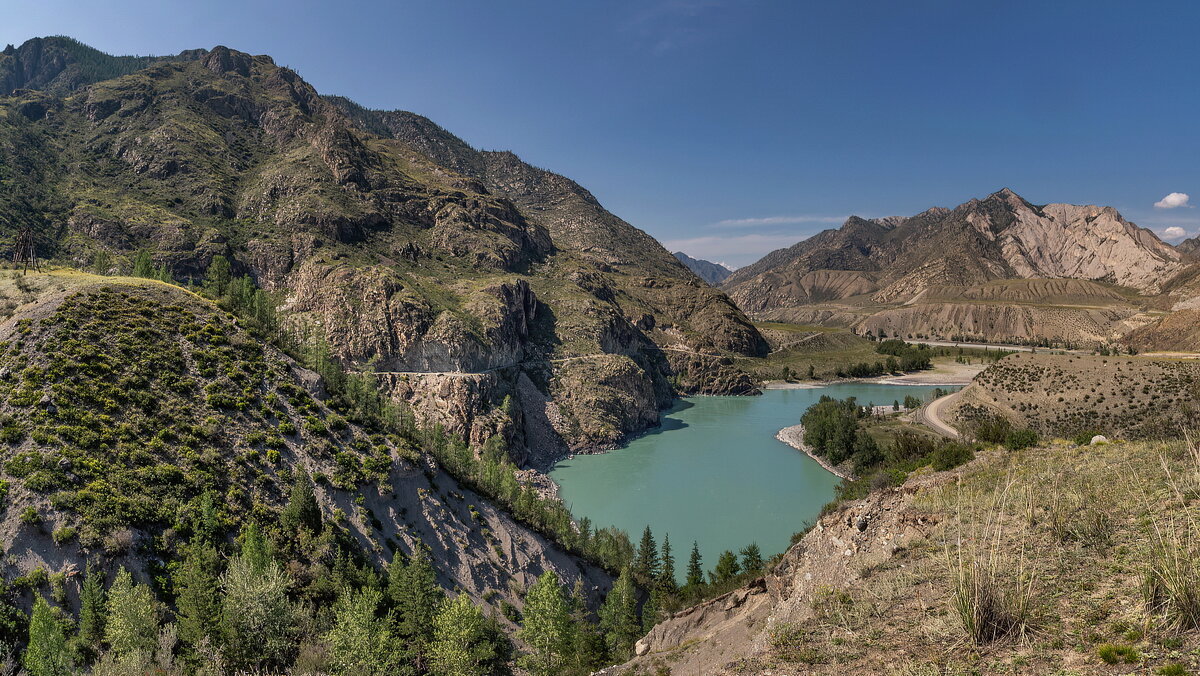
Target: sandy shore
[(943, 374), (781, 385), (794, 436)]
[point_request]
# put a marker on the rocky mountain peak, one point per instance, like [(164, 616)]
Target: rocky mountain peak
[(223, 60), (59, 65), (1002, 236)]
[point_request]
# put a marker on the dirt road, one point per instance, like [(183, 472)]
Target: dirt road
[(930, 415)]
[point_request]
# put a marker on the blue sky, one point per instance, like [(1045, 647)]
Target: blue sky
[(729, 128)]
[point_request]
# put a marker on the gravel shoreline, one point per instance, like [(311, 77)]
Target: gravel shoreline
[(794, 436)]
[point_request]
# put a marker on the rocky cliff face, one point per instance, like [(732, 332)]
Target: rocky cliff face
[(450, 271), (1000, 237)]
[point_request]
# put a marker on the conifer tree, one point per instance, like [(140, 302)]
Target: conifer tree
[(752, 561), (359, 642), (650, 610), (197, 595), (143, 265), (727, 568), (302, 509), (695, 569), (92, 610), (460, 643), (255, 550), (131, 627), (47, 653), (415, 594), (666, 572), (587, 642), (546, 627), (619, 618), (216, 278), (645, 567)]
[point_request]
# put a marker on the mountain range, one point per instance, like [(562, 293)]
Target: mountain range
[(997, 268), (713, 273), (467, 278)]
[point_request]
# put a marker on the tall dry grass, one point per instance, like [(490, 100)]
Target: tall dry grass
[(993, 589)]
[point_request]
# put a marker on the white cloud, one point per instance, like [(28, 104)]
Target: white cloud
[(777, 220), (1173, 201), (734, 251), (1174, 232)]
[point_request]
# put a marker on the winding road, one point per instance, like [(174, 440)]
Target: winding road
[(558, 360), (930, 415)]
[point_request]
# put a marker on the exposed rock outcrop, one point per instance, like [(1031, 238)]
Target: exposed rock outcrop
[(1000, 237)]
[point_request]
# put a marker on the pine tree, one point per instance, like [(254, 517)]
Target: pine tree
[(415, 594), (645, 567), (131, 627), (727, 568), (650, 611), (666, 572), (143, 265), (47, 653), (216, 278), (619, 618), (587, 643), (92, 609), (255, 550), (197, 595), (752, 561), (695, 569), (359, 642), (302, 509), (460, 642), (546, 627)]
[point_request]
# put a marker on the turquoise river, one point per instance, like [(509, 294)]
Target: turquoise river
[(714, 473)]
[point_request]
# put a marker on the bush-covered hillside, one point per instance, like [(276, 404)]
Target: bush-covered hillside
[(146, 429)]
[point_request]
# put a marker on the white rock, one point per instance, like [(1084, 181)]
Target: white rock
[(1099, 439)]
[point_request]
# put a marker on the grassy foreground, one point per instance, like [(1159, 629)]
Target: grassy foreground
[(1058, 559)]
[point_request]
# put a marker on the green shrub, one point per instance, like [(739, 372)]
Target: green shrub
[(1022, 438), (1084, 438), (336, 422), (30, 516), (314, 425), (1116, 654), (12, 433), (63, 535), (286, 427), (950, 455), (991, 428), (1175, 669)]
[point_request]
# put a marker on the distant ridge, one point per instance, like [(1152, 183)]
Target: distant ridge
[(713, 273), (1002, 236)]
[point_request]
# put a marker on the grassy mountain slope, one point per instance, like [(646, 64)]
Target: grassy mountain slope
[(128, 403), (407, 250)]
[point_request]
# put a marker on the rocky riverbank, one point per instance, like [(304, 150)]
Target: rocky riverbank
[(794, 436)]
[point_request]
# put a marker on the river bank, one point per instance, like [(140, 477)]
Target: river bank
[(944, 374), (794, 436)]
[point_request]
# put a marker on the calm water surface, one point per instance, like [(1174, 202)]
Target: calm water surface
[(714, 473)]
